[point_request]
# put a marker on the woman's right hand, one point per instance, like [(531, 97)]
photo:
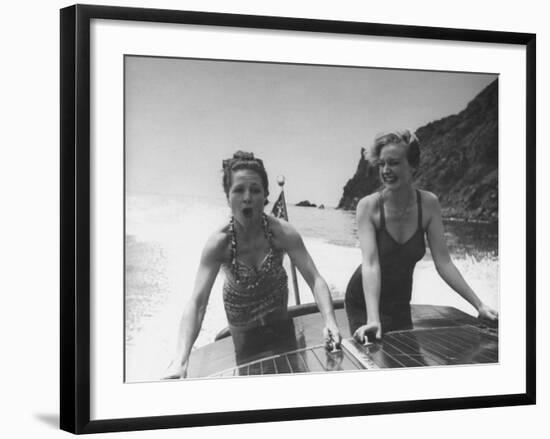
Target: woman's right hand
[(487, 313), (175, 371), (371, 328)]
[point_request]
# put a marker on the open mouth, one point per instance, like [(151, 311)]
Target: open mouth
[(389, 179), (247, 212)]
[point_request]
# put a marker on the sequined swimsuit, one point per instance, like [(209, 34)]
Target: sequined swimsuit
[(397, 262), (253, 296)]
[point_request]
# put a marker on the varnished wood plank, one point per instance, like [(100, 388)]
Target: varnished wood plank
[(404, 359), (483, 352), (255, 368), (425, 316), (426, 337), (355, 364), (282, 364), (329, 363), (461, 347), (242, 371), (380, 357), (313, 363), (211, 358), (410, 352), (467, 347), (296, 364), (348, 362), (440, 356), (453, 338), (488, 357), (433, 342), (456, 344), (426, 357), (486, 348), (302, 361), (268, 367), (408, 359), (490, 351), (488, 344), (335, 361)]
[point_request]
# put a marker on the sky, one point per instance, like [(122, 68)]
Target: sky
[(306, 122)]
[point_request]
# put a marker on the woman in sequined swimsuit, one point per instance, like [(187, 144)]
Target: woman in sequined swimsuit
[(391, 227), (250, 252)]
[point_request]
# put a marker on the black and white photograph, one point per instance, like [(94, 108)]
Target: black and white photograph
[(275, 219), (280, 218), (284, 218)]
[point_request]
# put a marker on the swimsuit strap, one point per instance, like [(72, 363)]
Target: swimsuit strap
[(233, 238), (382, 215), (267, 230), (265, 226), (419, 204)]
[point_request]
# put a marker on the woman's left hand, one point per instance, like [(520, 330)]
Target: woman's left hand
[(333, 339), (175, 371), (487, 313)]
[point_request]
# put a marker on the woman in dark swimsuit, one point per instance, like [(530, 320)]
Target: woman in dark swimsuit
[(250, 252), (391, 227)]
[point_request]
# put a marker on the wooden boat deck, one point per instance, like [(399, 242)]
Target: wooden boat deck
[(440, 336)]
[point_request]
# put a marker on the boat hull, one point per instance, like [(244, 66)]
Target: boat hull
[(440, 336)]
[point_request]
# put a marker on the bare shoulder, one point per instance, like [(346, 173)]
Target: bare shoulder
[(369, 203), (217, 245), (284, 234), (430, 201), (428, 197), (430, 206), (368, 207)]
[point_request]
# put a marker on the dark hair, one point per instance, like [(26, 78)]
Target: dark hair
[(399, 137), (244, 160)]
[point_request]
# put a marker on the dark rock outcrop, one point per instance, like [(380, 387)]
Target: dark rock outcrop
[(459, 162), (364, 182), (306, 203)]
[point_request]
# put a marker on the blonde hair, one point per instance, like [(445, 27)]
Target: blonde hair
[(398, 137)]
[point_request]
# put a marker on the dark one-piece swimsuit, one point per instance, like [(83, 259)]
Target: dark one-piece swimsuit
[(397, 262)]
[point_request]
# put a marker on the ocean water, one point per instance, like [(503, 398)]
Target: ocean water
[(165, 236)]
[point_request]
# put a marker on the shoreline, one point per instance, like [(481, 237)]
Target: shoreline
[(452, 215)]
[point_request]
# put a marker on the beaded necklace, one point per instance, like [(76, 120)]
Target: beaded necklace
[(268, 235)]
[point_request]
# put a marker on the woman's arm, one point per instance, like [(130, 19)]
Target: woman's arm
[(294, 245), (444, 264), (370, 268), (193, 313)]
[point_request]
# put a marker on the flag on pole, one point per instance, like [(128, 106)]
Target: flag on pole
[(279, 207)]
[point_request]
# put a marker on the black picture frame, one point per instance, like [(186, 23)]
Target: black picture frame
[(76, 210)]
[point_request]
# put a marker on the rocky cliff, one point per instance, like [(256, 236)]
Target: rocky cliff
[(364, 181), (459, 162)]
